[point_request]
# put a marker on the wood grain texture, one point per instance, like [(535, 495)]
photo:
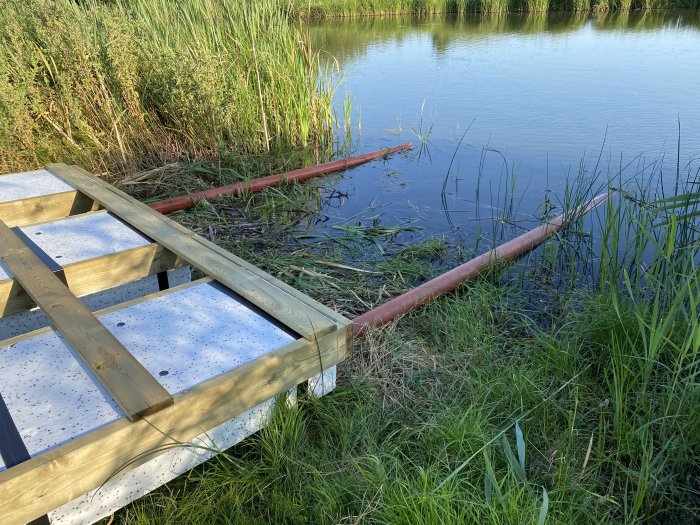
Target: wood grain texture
[(34, 209), (13, 298), (67, 472), (108, 271), (136, 391), (281, 302), (97, 274)]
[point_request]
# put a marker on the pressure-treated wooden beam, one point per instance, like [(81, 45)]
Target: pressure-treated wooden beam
[(283, 303), (136, 391), (276, 283), (94, 275), (34, 209)]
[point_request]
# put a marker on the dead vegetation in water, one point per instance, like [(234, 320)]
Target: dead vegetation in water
[(360, 265), (324, 270)]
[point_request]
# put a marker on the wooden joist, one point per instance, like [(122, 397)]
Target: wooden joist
[(95, 275), (33, 196), (136, 391), (282, 302), (34, 209)]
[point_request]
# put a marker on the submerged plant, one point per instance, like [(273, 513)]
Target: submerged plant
[(422, 132)]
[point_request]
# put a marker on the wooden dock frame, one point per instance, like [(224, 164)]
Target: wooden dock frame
[(38, 485)]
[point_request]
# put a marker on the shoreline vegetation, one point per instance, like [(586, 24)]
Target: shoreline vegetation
[(320, 9), (126, 86), (529, 396), (135, 84)]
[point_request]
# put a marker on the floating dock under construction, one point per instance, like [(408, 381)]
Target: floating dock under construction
[(117, 371)]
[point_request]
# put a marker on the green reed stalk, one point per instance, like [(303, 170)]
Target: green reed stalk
[(133, 83)]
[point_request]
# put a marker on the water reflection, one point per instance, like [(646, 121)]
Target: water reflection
[(552, 97), (348, 39)]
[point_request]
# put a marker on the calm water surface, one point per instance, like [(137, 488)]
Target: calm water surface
[(544, 95)]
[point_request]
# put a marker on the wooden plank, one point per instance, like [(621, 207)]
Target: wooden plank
[(287, 307), (13, 298), (97, 274), (69, 471), (327, 312), (136, 391), (34, 209), (284, 287), (120, 268), (288, 293)]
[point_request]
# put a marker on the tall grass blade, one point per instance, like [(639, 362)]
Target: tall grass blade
[(515, 465), (544, 510), (520, 443)]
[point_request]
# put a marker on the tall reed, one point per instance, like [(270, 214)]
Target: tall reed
[(136, 82), (651, 280)]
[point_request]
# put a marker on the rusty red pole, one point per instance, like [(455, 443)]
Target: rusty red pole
[(447, 282), (184, 202)]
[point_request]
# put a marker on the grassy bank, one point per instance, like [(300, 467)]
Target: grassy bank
[(125, 85), (348, 8), (488, 406)]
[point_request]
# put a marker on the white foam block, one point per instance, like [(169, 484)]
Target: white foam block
[(322, 384), (30, 184), (122, 490), (34, 319), (182, 338)]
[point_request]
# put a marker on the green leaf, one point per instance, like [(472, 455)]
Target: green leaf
[(544, 510), (491, 483), (488, 488), (682, 198), (517, 469), (520, 443)]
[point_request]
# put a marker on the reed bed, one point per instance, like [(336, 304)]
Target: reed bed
[(131, 84), (349, 8)]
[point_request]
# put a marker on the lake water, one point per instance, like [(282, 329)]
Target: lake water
[(539, 96)]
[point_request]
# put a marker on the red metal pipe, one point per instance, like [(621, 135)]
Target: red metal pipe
[(447, 282), (184, 202)]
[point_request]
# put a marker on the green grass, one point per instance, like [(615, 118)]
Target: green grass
[(444, 396), (131, 84)]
